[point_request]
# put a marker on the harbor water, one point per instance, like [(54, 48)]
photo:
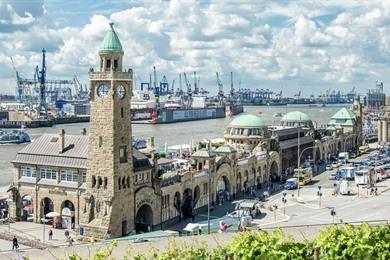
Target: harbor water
[(172, 134)]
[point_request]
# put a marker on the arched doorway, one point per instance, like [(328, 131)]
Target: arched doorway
[(196, 195), (274, 170), (223, 189), (144, 219), (27, 208), (46, 207), (67, 214), (186, 206), (177, 201)]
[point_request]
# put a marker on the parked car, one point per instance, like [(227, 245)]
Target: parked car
[(329, 167)]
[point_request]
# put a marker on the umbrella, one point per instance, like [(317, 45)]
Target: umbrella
[(52, 214)]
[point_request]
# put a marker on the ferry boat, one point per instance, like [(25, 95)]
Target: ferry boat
[(14, 137)]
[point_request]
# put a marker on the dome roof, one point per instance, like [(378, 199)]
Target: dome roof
[(296, 116), (247, 121), (111, 43)]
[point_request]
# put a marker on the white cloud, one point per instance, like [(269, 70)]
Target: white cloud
[(265, 43)]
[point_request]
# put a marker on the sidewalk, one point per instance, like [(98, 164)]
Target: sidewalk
[(34, 231)]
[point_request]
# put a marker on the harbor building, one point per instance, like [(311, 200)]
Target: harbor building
[(101, 185), (383, 126)]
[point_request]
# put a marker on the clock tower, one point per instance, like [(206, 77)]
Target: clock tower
[(108, 203)]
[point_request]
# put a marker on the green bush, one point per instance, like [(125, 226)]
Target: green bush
[(346, 242)]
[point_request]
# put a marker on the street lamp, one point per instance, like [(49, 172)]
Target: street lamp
[(44, 221), (319, 194), (299, 166), (333, 214), (284, 200)]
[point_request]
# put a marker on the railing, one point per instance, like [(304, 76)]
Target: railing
[(170, 180)]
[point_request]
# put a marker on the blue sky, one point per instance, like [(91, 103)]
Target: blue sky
[(307, 45)]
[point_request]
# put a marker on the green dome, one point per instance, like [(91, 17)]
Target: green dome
[(111, 43), (296, 116), (247, 121)]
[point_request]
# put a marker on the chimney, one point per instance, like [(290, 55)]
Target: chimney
[(62, 141), (151, 143), (84, 131)]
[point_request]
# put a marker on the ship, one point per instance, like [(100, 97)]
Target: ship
[(14, 137), (147, 108)]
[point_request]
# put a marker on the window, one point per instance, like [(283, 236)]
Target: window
[(108, 64), (69, 175), (27, 171), (48, 174), (93, 181), (105, 183), (84, 177), (115, 64), (122, 154), (100, 141), (122, 115)]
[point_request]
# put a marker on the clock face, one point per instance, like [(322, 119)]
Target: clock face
[(120, 91), (102, 91)]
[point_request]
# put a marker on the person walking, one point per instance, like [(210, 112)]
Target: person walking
[(66, 234), (70, 240), (50, 234), (15, 244)]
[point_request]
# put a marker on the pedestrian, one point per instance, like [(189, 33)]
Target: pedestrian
[(109, 233), (50, 234), (223, 227), (15, 244), (70, 241), (66, 234), (241, 227)]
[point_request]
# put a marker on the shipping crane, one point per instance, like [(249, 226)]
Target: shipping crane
[(189, 91), (42, 92), (220, 88)]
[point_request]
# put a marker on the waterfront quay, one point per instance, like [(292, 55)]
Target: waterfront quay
[(98, 186), (302, 219)]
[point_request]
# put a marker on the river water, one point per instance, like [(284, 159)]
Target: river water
[(172, 134)]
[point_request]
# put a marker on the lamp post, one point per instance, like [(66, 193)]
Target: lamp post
[(319, 194), (9, 201), (44, 221), (299, 165), (284, 200)]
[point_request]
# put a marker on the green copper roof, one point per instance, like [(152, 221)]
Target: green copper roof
[(247, 121), (203, 153), (111, 43), (344, 113), (296, 116), (225, 149)]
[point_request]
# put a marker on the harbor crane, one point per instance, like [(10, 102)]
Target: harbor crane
[(220, 88), (39, 90), (189, 91), (231, 85)]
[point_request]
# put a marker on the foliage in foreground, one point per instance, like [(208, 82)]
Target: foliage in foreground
[(347, 242)]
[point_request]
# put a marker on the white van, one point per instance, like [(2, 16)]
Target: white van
[(344, 187), (344, 157)]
